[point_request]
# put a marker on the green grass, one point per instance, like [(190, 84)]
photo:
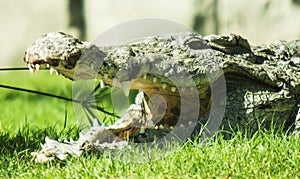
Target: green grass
[(26, 119)]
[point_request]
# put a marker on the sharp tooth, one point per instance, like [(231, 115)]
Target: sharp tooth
[(48, 66), (161, 126), (101, 84), (181, 125), (47, 139), (105, 75), (66, 141), (150, 124), (164, 86), (96, 123), (42, 145), (80, 135), (154, 79), (31, 70), (51, 71), (56, 72), (139, 98), (97, 142), (146, 106), (171, 127), (145, 76), (126, 87), (190, 123), (71, 140), (156, 127), (142, 130), (173, 89), (29, 66), (37, 67)]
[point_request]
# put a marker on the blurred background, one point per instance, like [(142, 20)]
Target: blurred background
[(260, 21), (22, 22)]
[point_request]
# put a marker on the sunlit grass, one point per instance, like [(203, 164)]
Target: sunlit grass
[(25, 120), (37, 110), (264, 155)]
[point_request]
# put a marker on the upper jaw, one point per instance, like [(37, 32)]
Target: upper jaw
[(54, 50)]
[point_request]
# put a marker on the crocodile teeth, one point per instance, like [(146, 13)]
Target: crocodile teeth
[(31, 69), (47, 139), (37, 67), (66, 141), (171, 127), (154, 79), (164, 86), (81, 136), (96, 123), (146, 106), (161, 126), (105, 75), (139, 98), (173, 89), (142, 130), (145, 76), (126, 87), (150, 124), (51, 71), (48, 66), (97, 142), (101, 84)]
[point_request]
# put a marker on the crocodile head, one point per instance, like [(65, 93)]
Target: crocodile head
[(174, 71)]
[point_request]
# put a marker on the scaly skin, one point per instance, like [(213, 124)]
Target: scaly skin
[(262, 82)]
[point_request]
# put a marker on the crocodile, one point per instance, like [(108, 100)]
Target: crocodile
[(218, 80)]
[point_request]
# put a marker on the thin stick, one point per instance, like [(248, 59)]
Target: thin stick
[(83, 103), (40, 93), (18, 68)]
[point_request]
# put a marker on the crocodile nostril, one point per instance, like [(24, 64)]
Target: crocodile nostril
[(196, 44)]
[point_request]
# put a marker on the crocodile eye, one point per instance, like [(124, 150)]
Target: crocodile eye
[(196, 44)]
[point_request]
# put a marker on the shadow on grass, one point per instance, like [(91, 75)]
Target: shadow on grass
[(28, 138)]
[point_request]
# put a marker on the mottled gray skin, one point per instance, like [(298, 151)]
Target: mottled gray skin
[(262, 81)]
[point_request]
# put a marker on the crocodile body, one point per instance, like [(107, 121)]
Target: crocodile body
[(253, 84)]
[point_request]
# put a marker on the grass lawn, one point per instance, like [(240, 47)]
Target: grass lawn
[(25, 120)]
